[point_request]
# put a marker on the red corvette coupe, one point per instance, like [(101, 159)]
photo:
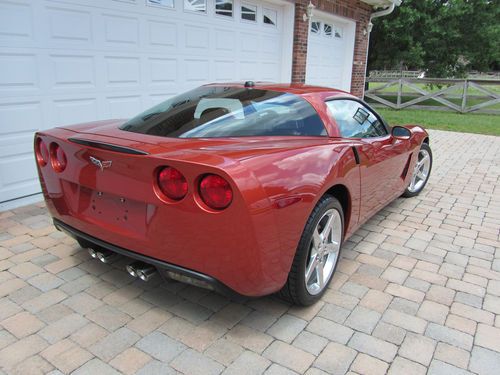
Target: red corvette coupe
[(246, 188)]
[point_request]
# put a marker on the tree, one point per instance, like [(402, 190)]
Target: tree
[(446, 38)]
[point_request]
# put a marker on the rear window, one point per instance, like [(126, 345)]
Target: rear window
[(217, 111)]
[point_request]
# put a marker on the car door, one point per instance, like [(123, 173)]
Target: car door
[(382, 158)]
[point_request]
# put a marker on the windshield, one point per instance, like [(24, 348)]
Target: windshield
[(216, 111)]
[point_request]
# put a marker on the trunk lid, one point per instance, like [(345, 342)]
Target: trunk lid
[(236, 148)]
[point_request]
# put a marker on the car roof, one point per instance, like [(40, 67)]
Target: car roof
[(292, 88)]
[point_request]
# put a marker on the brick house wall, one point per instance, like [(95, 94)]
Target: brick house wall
[(353, 9)]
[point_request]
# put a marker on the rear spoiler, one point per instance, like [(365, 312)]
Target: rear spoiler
[(108, 146)]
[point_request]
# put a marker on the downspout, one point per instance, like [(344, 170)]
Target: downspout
[(380, 13)]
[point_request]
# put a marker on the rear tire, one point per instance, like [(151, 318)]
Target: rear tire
[(317, 254), (421, 172)]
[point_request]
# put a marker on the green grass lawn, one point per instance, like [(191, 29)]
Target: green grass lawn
[(441, 120)]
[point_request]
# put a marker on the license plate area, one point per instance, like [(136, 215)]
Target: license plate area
[(116, 210)]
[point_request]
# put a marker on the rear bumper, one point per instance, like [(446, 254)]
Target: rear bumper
[(163, 267)]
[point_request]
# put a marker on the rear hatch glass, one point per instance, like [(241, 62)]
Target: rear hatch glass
[(217, 111)]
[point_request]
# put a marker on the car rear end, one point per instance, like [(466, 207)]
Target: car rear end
[(179, 211), (176, 185)]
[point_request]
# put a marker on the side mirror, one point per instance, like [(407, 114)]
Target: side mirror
[(400, 132)]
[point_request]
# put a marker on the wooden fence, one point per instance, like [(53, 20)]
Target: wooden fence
[(462, 96), (483, 75), (395, 73)]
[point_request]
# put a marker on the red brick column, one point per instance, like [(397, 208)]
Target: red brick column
[(300, 35), (360, 54), (353, 9)]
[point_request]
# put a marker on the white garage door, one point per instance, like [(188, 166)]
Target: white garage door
[(330, 51), (69, 61)]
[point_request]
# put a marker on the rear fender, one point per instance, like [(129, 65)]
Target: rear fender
[(419, 135), (294, 181)]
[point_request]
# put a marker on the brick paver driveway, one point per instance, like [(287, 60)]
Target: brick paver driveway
[(418, 290)]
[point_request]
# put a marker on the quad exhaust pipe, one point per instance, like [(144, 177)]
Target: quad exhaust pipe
[(103, 255), (141, 270)]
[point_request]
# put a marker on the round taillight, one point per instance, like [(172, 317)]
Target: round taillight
[(172, 183), (216, 192), (41, 152), (58, 157)]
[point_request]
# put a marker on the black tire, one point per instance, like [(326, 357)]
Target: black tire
[(295, 290), (408, 193)]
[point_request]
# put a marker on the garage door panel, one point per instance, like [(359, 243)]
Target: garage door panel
[(16, 22), (196, 37), (225, 40), (122, 71), (269, 70), (270, 44), (20, 117), (196, 70), (69, 25), (162, 70), (249, 70), (16, 146), (19, 71), (19, 190), (72, 111), (224, 70), (17, 166), (123, 106), (73, 71), (161, 34), (17, 170), (12, 191), (65, 62), (158, 98), (249, 42), (120, 30)]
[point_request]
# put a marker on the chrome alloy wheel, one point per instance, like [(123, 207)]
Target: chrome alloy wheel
[(324, 252), (421, 171)]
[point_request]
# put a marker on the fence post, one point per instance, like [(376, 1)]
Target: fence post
[(400, 93), (464, 97)]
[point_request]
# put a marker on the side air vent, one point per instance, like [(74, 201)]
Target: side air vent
[(405, 170), (356, 154), (107, 146)]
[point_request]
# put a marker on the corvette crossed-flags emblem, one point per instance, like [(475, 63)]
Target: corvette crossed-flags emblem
[(101, 164)]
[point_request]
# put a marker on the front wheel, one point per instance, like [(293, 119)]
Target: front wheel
[(317, 254), (421, 172)]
